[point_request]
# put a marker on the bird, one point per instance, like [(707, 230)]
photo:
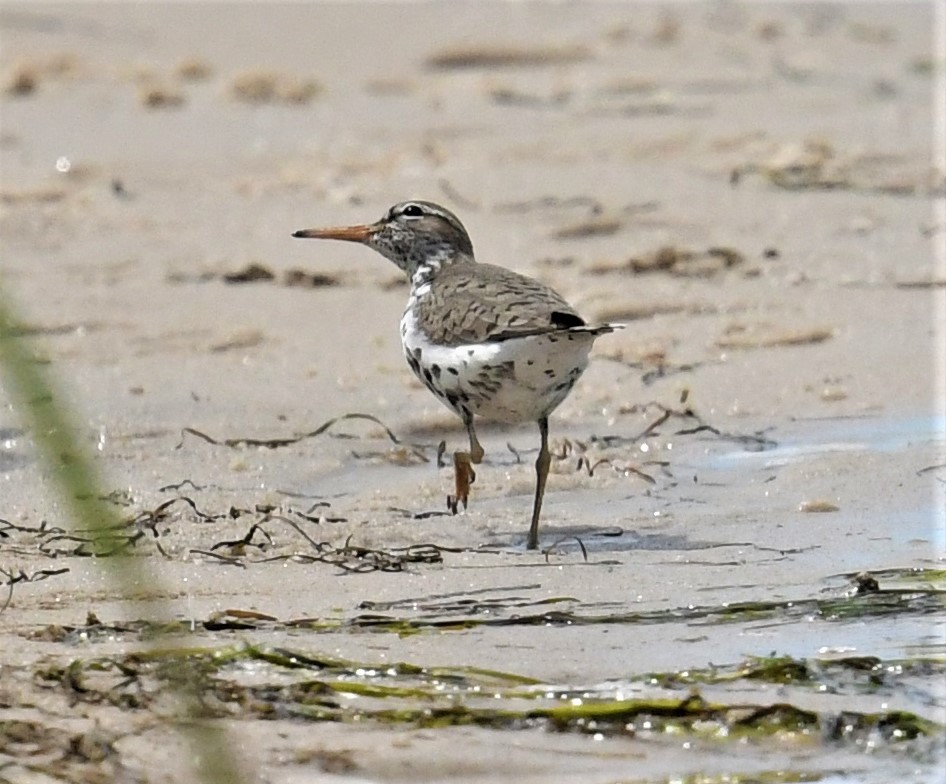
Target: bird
[(489, 342)]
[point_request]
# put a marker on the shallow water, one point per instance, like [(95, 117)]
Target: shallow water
[(808, 437)]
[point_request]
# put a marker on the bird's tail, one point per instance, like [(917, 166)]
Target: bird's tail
[(597, 329)]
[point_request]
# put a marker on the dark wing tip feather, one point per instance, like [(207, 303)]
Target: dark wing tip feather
[(565, 319)]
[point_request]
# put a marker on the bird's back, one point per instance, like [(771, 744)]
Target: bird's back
[(477, 303)]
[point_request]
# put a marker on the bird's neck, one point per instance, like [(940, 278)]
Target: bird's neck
[(431, 265)]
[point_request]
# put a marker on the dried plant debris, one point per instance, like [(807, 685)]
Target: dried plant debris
[(251, 273), (679, 262), (393, 283), (26, 76), (315, 687), (10, 578), (643, 311), (256, 272), (815, 164), (506, 95), (463, 601), (390, 86), (488, 56), (154, 96), (32, 196), (193, 69), (263, 87), (598, 226), (275, 443), (927, 283), (728, 702), (659, 368), (591, 467), (567, 449), (816, 506), (22, 81), (406, 455), (178, 277), (347, 557), (546, 203), (270, 534), (755, 442), (299, 278), (765, 335), (47, 330), (865, 582), (284, 532), (460, 611), (904, 579), (41, 751), (917, 602), (239, 341)]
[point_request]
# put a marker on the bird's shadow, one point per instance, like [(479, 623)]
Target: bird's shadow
[(584, 538)]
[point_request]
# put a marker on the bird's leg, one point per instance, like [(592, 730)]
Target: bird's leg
[(464, 475), (542, 463)]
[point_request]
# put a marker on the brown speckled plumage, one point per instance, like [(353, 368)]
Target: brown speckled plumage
[(485, 340), (475, 303)]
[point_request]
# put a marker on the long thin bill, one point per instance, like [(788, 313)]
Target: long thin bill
[(347, 233)]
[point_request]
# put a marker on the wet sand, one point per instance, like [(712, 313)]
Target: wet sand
[(752, 189)]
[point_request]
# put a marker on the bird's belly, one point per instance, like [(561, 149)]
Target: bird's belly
[(514, 380)]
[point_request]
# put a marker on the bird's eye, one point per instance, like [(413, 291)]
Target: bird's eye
[(412, 211)]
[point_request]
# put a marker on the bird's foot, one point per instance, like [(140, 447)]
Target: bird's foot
[(464, 476)]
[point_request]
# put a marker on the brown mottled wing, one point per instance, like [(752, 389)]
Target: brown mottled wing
[(480, 303)]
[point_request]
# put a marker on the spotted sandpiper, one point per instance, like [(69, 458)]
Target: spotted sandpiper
[(487, 341)]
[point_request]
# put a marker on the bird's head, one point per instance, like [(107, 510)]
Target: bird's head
[(412, 234)]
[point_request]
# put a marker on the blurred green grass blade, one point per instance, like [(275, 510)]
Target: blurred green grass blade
[(72, 472)]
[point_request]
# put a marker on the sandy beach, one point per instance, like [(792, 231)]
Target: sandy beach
[(755, 190)]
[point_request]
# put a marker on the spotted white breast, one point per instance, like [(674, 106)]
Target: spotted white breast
[(517, 379)]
